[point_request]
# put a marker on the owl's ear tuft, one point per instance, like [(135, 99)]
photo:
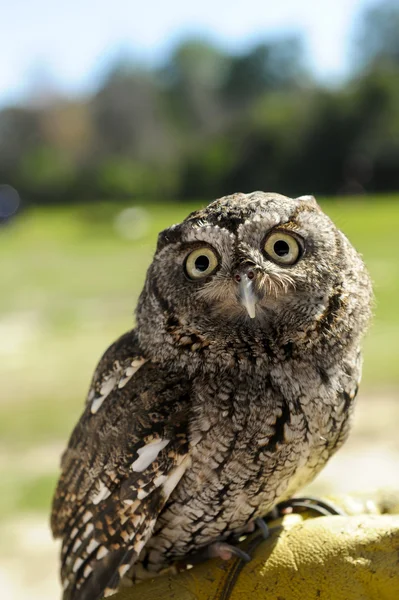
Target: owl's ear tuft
[(309, 199), (171, 235)]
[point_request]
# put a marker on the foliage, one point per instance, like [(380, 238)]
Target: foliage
[(377, 40), (208, 122)]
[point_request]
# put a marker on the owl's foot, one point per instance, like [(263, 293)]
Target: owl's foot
[(221, 550), (252, 526), (226, 551)]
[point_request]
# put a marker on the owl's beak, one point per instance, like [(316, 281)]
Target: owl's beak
[(247, 292)]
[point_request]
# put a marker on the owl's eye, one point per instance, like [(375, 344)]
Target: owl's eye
[(201, 263), (282, 248)]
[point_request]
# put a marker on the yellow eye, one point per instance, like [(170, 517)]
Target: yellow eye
[(282, 248), (201, 263)]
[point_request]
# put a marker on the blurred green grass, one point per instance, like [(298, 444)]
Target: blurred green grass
[(70, 282)]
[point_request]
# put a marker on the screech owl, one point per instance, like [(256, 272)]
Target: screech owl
[(233, 391)]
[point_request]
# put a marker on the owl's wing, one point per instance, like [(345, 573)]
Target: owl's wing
[(125, 457)]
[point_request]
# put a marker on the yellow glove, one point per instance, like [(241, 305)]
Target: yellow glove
[(328, 558)]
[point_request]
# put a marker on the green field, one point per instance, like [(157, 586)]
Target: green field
[(70, 281)]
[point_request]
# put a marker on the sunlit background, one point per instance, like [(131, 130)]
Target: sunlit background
[(116, 120)]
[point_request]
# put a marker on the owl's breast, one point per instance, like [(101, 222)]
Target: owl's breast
[(251, 447)]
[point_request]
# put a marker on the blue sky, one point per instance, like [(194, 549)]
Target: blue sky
[(71, 43)]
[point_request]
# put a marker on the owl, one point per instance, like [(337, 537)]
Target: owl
[(233, 391)]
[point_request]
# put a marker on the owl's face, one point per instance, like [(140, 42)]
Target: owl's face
[(261, 262)]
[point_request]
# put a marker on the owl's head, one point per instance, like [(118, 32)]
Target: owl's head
[(260, 267)]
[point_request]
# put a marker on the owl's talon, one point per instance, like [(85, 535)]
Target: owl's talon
[(321, 507), (262, 526)]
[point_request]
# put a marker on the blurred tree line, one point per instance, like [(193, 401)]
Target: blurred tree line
[(208, 123)]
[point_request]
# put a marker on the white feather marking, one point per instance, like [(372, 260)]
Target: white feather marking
[(95, 405), (175, 475), (87, 570), (160, 480), (105, 390), (88, 530), (102, 494), (109, 592), (101, 552), (78, 563), (130, 371), (91, 546), (141, 494), (139, 546), (76, 545), (108, 385), (123, 569), (87, 516), (147, 454)]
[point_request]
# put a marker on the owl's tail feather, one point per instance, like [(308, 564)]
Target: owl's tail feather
[(104, 578)]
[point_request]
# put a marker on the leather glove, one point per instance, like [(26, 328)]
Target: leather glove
[(354, 556)]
